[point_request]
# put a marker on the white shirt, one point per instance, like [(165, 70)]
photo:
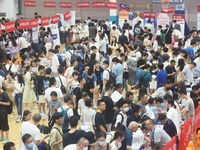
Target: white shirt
[(138, 140), (23, 43), (119, 119), (14, 68), (81, 105), (51, 89), (68, 57), (149, 112), (2, 80), (30, 129), (150, 26), (18, 86), (106, 74), (63, 80), (188, 72), (177, 33), (173, 115), (54, 63), (73, 147)]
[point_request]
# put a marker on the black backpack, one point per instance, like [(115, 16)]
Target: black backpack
[(112, 77), (73, 57), (114, 120), (63, 89), (10, 107)]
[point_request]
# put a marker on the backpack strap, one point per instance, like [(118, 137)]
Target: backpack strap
[(108, 146), (64, 111), (60, 81), (122, 117), (58, 130), (9, 68)]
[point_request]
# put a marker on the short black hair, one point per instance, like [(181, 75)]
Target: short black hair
[(8, 145), (73, 121), (165, 49), (41, 67), (106, 62), (88, 102), (52, 81), (99, 102), (56, 116), (101, 134), (25, 137), (135, 108), (67, 99), (123, 102), (115, 59), (90, 72), (161, 117), (54, 93), (118, 85), (182, 91), (128, 94), (48, 71), (160, 66), (108, 87), (60, 70), (84, 94)]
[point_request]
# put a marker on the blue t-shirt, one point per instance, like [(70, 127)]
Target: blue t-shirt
[(128, 138), (118, 70), (190, 51), (161, 78)]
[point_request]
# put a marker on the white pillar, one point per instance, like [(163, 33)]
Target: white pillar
[(114, 13), (8, 7)]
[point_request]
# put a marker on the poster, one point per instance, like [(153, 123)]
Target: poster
[(150, 16), (198, 21), (162, 19), (135, 20), (35, 35), (67, 23), (171, 145), (123, 15), (180, 18), (55, 35)]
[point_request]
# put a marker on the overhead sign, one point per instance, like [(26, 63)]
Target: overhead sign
[(65, 5), (149, 15), (33, 23), (167, 10), (23, 24), (83, 4), (55, 19), (29, 3), (67, 15), (50, 4), (10, 26), (111, 5), (98, 4), (45, 21), (124, 7)]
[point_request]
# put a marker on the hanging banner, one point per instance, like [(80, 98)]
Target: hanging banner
[(150, 16), (111, 5), (30, 3), (0, 29), (185, 134), (180, 18), (124, 7), (56, 36), (198, 8), (33, 23), (65, 5), (10, 26), (45, 21), (162, 19), (171, 145), (50, 4), (198, 21), (35, 35), (167, 10), (197, 119), (67, 15), (24, 24), (83, 4), (55, 19), (98, 5), (123, 15)]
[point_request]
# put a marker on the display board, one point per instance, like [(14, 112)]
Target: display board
[(171, 1)]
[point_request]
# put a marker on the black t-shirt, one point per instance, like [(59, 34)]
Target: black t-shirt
[(72, 138), (109, 112), (39, 85), (46, 81), (77, 91), (91, 63), (89, 85), (141, 62), (100, 120), (170, 70), (3, 109)]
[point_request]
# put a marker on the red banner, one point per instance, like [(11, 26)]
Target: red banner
[(171, 145), (24, 24), (45, 21), (50, 4), (178, 17), (98, 5), (198, 8), (83, 4), (167, 10), (111, 5), (149, 15), (33, 23), (10, 26), (65, 5), (67, 15), (29, 3), (197, 119), (55, 19), (185, 134), (0, 29)]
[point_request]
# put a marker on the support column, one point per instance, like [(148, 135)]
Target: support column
[(114, 13)]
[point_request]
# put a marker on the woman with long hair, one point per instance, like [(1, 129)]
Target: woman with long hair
[(14, 47), (180, 75), (25, 62), (48, 40), (19, 86), (28, 93)]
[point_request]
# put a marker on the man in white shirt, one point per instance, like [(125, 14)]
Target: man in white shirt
[(102, 45), (52, 88), (54, 62), (178, 35), (122, 117), (138, 136), (81, 103), (81, 144), (106, 74), (29, 127), (69, 52), (188, 72), (60, 79), (149, 25)]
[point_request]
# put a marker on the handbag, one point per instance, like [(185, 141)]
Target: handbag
[(63, 89)]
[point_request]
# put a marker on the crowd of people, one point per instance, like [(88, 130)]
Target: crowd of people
[(109, 88)]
